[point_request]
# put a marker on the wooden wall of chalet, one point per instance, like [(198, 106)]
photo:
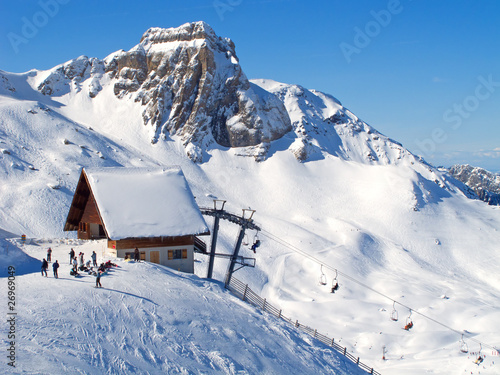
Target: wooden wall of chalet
[(83, 235), (141, 243), (90, 214)]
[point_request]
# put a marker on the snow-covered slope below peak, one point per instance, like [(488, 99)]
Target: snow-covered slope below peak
[(41, 155), (321, 124), (430, 248), (149, 320), (5, 85)]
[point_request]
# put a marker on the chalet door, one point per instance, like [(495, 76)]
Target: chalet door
[(154, 257)]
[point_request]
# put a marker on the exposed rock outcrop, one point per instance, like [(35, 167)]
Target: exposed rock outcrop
[(70, 75)]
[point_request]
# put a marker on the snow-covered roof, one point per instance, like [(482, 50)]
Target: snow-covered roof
[(145, 202)]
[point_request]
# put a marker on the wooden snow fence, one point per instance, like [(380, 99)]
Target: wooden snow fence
[(242, 291)]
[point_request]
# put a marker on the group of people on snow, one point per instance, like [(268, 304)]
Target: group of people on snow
[(78, 264), (73, 261)]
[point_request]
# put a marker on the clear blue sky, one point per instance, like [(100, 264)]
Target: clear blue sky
[(425, 73)]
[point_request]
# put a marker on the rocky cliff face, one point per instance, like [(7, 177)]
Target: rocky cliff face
[(485, 184), (190, 84)]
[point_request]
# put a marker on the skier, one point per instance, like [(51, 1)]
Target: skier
[(98, 280), (81, 259), (71, 255), (335, 287), (255, 245), (75, 265), (137, 255), (49, 255), (55, 266), (94, 259), (45, 265)]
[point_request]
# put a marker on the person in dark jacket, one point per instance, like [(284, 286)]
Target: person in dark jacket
[(45, 265), (94, 259), (71, 256), (49, 255), (55, 266), (98, 280), (137, 255)]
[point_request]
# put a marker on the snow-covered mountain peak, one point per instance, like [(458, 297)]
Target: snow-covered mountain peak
[(189, 32), (189, 84), (186, 84), (322, 125)]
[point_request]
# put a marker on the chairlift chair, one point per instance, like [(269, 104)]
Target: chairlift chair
[(479, 358), (322, 278), (409, 322), (245, 240), (394, 313), (335, 284), (256, 242), (463, 345)]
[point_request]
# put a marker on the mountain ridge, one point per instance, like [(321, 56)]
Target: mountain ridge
[(188, 83)]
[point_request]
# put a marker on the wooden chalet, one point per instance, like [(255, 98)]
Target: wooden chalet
[(151, 209)]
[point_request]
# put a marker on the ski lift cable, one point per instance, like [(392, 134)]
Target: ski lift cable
[(346, 276), (309, 256)]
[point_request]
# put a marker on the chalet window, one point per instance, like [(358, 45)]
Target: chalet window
[(177, 254), (82, 227)]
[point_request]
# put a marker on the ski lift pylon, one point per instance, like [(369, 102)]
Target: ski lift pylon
[(394, 313), (322, 278)]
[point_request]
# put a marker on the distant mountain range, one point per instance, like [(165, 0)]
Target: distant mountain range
[(484, 183)]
